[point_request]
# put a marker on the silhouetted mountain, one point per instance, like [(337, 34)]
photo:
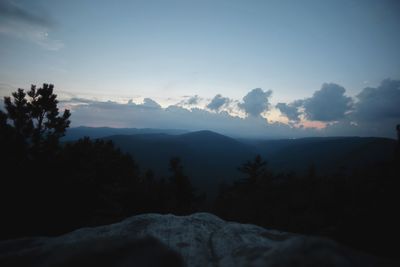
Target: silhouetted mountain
[(327, 154), (210, 158), (100, 132)]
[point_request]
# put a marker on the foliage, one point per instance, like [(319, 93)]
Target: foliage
[(35, 118), (60, 187), (356, 209), (181, 189)]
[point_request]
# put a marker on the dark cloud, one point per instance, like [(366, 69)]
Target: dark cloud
[(13, 11), (375, 112), (327, 104), (379, 103), (218, 102), (291, 110), (256, 102)]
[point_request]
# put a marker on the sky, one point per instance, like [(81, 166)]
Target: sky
[(245, 68)]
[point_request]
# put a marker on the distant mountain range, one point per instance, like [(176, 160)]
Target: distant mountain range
[(210, 158), (100, 132)]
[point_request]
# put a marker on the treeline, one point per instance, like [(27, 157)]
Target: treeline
[(357, 209), (86, 183), (49, 188)]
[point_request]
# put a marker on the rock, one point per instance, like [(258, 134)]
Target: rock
[(200, 239)]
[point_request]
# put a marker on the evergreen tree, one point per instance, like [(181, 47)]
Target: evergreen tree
[(254, 170), (181, 187), (35, 119), (30, 129)]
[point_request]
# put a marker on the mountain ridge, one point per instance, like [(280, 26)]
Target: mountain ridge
[(210, 158)]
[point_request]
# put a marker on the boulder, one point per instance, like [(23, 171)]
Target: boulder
[(200, 239)]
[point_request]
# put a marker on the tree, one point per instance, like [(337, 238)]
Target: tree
[(35, 118), (182, 189), (254, 170), (30, 129)]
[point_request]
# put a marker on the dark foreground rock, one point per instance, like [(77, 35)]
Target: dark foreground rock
[(200, 239)]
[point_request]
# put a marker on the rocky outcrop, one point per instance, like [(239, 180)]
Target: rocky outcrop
[(199, 239)]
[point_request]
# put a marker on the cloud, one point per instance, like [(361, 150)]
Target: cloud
[(375, 113), (17, 21), (256, 102), (190, 101), (113, 114), (291, 110), (194, 100), (327, 104), (10, 9), (379, 103), (218, 102), (150, 103)]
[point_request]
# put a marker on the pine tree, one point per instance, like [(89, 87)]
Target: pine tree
[(182, 188), (35, 118), (254, 170)]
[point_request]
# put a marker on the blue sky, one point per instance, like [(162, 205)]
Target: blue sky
[(170, 51)]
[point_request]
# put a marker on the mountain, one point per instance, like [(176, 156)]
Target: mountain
[(326, 154), (99, 132), (208, 158)]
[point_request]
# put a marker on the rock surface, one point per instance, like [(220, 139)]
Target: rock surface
[(201, 239)]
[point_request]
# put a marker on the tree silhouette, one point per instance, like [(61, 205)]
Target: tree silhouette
[(397, 151), (181, 188), (254, 170), (35, 118), (30, 129)]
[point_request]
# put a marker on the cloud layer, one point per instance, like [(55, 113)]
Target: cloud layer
[(150, 115), (373, 112)]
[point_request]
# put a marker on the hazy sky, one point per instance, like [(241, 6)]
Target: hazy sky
[(204, 51)]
